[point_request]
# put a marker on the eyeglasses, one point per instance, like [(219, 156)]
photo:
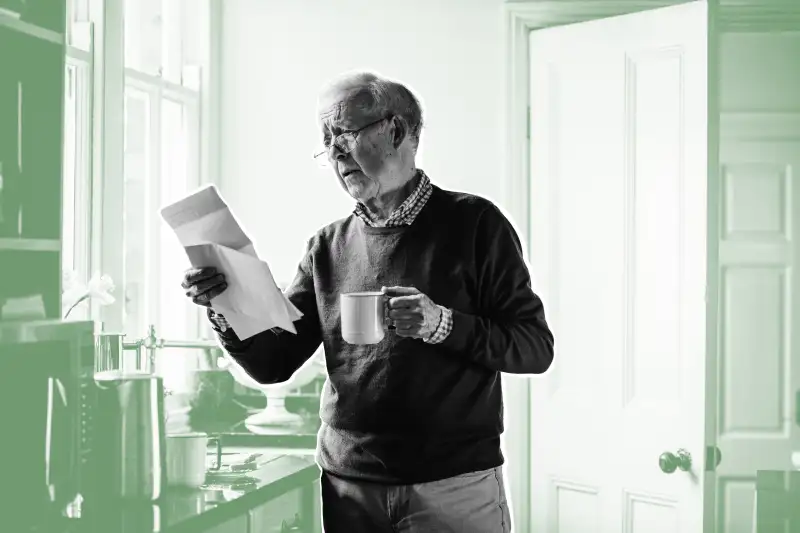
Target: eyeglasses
[(346, 142)]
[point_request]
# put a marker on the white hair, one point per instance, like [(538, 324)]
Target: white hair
[(385, 97)]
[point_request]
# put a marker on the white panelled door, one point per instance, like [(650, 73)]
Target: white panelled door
[(758, 378), (619, 226)]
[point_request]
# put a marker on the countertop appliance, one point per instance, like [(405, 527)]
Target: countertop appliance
[(129, 457), (46, 403)]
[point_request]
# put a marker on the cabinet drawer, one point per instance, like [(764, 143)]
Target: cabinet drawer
[(269, 517), (234, 525)]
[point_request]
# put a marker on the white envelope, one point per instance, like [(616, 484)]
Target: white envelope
[(210, 235)]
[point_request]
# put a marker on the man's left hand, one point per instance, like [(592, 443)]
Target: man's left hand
[(414, 314)]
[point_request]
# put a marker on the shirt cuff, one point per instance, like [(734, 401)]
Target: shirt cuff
[(443, 329), (218, 321)]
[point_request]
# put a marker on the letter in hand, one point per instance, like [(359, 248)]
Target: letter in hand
[(203, 285)]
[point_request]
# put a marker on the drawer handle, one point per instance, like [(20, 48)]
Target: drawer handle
[(295, 526)]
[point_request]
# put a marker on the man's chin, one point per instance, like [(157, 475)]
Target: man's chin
[(359, 192)]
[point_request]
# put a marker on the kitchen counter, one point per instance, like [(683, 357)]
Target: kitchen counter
[(282, 492), (217, 408), (242, 435)]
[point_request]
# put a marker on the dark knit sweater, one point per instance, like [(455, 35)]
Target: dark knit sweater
[(403, 411)]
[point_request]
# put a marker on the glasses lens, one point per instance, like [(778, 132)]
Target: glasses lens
[(346, 142)]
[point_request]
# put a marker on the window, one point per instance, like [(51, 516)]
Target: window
[(162, 164), (161, 155), (166, 45), (78, 105)]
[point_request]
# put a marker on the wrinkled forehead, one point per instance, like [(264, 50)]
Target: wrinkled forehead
[(345, 108)]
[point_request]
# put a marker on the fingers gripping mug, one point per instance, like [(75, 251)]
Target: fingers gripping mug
[(365, 317)]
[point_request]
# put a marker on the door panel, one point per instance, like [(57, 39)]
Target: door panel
[(618, 226), (759, 353)]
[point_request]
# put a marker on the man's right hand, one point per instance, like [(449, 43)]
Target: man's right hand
[(203, 284)]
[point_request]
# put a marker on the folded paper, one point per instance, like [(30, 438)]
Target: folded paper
[(211, 237)]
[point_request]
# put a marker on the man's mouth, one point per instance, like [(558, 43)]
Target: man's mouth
[(348, 172)]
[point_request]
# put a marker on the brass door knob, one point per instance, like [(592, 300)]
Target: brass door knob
[(670, 462)]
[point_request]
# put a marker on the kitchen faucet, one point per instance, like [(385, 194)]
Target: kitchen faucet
[(151, 343)]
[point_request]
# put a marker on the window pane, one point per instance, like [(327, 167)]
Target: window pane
[(174, 185), (78, 28), (137, 177), (178, 316), (143, 35), (195, 40), (75, 232), (164, 37), (195, 33), (172, 37), (68, 183)]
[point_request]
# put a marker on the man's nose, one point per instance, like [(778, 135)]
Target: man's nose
[(337, 153)]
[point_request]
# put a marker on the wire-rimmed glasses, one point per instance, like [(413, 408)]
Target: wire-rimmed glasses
[(345, 142)]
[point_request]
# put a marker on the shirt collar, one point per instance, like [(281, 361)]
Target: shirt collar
[(405, 213)]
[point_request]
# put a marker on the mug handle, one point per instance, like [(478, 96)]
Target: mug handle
[(388, 322), (218, 446)]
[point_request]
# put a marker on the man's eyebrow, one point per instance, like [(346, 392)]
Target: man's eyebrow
[(331, 131), (336, 130)]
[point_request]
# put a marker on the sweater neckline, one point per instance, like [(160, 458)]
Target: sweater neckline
[(390, 230), (382, 230)]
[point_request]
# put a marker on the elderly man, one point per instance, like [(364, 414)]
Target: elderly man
[(410, 434)]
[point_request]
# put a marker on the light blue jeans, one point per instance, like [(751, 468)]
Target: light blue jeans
[(469, 503)]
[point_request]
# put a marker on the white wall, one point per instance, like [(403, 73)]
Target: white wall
[(277, 53)]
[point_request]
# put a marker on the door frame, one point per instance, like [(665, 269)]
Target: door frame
[(521, 18)]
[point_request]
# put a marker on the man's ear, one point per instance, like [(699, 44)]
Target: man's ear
[(399, 131)]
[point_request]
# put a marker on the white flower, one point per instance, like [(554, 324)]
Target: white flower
[(101, 287)]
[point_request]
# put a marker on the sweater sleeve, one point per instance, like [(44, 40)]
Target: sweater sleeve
[(508, 332), (274, 355)]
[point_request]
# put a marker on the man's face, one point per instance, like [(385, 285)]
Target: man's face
[(364, 172)]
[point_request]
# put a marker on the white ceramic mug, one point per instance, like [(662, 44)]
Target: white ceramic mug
[(186, 458), (365, 317)]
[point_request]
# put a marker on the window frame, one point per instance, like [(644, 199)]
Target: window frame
[(100, 187), (79, 234), (157, 90)]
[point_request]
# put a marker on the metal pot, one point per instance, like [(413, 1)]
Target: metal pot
[(110, 348), (108, 351), (129, 446)]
